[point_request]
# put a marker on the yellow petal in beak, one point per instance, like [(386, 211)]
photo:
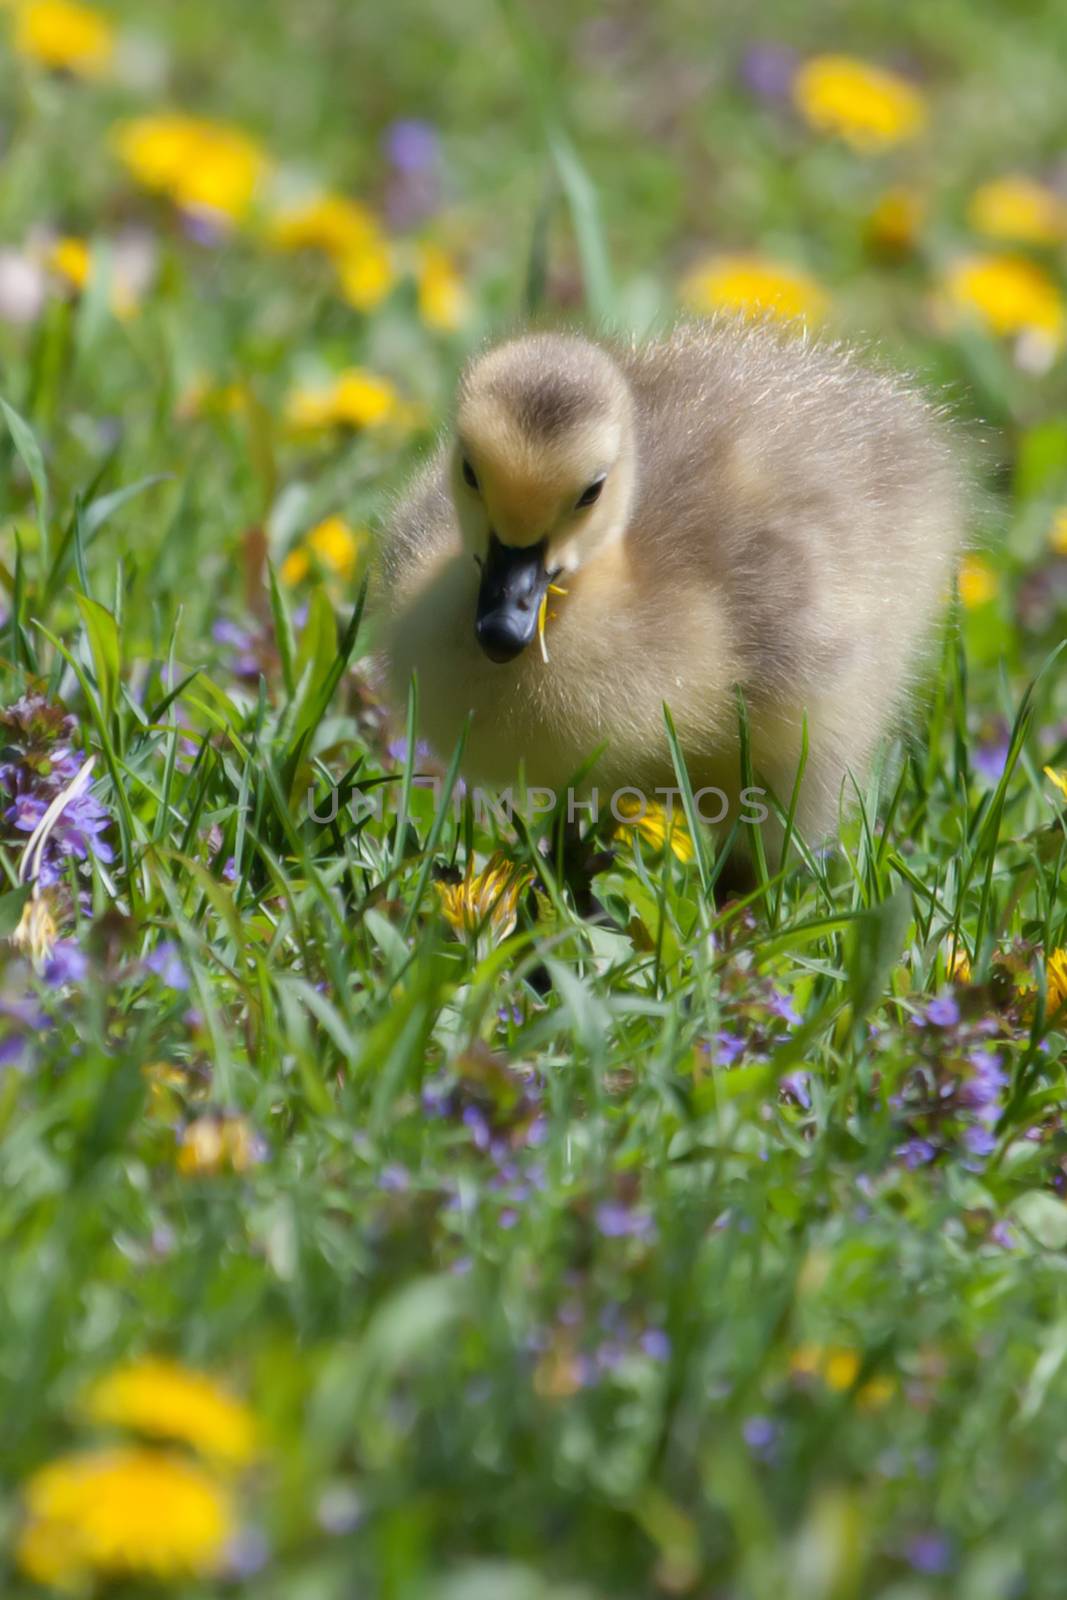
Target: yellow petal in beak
[(542, 617)]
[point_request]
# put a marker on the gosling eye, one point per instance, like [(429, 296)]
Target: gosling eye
[(591, 493), (470, 477)]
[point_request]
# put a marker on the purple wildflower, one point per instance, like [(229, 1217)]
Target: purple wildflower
[(767, 70), (781, 1005), (982, 1091), (989, 754), (68, 963), (655, 1343), (413, 191), (728, 1046), (929, 1552), (39, 765), (617, 1221), (979, 1141), (760, 1434), (916, 1153), (944, 1011), (797, 1085), (167, 965)]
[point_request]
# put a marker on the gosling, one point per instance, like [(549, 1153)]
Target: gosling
[(734, 505)]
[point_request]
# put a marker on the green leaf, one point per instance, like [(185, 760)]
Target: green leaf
[(877, 940), (11, 907), (283, 631), (25, 443), (104, 643)]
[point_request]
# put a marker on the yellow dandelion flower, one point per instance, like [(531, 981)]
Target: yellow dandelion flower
[(366, 274), (36, 933), (200, 165), (487, 899), (1006, 295), (167, 1401), (892, 228), (978, 582), (838, 1367), (443, 300), (1017, 208), (64, 35), (71, 259), (1058, 534), (958, 963), (125, 1513), (1059, 779), (338, 546), (754, 287), (355, 399), (330, 222), (654, 825), (218, 1143), (295, 567), (1056, 982), (866, 106)]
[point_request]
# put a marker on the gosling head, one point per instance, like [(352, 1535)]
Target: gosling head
[(543, 474)]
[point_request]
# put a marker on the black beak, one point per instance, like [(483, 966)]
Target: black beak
[(514, 581)]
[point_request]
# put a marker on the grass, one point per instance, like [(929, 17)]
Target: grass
[(716, 1250)]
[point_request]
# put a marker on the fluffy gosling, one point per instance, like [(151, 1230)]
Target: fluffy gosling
[(731, 505)]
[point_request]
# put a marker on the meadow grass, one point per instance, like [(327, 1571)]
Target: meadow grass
[(716, 1248)]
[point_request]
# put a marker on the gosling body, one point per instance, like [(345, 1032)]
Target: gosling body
[(730, 506)]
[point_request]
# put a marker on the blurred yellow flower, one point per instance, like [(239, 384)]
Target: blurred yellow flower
[(442, 297), (892, 228), (330, 222), (366, 273), (167, 1401), (64, 35), (865, 105), (1056, 982), (653, 824), (488, 899), (350, 235), (216, 1143), (295, 567), (70, 259), (978, 582), (1006, 294), (355, 399), (1058, 779), (334, 544), (1015, 207), (754, 286), (126, 1513), (839, 1367), (200, 165), (1058, 535), (958, 963)]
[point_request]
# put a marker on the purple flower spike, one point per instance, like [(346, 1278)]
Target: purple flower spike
[(411, 144), (929, 1552), (944, 1012), (167, 965), (767, 70), (760, 1434), (655, 1343), (68, 963)]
